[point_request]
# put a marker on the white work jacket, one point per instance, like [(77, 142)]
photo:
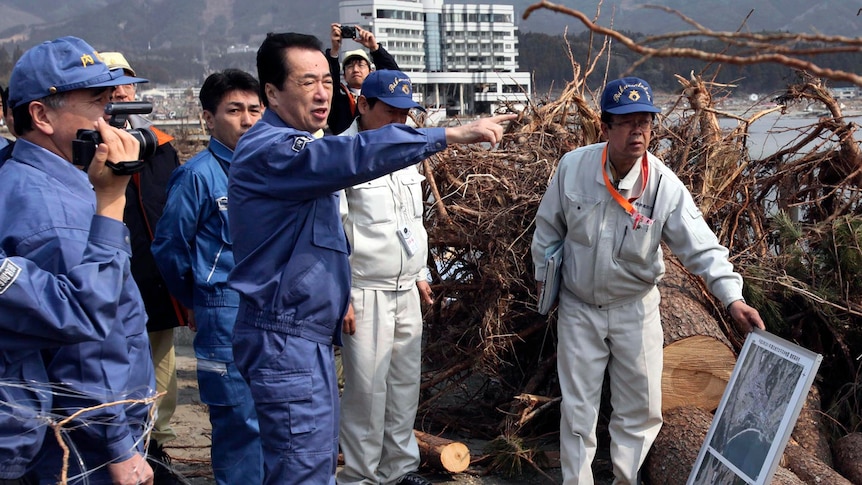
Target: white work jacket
[(606, 262), (372, 213)]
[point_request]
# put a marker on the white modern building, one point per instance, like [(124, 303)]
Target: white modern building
[(462, 57)]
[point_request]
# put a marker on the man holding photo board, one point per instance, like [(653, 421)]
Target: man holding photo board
[(611, 205)]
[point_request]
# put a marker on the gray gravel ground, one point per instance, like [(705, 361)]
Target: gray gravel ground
[(190, 451)]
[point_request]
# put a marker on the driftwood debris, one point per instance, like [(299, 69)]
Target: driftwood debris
[(848, 457), (810, 431), (790, 221), (698, 358), (809, 468), (696, 371), (486, 346), (678, 444), (439, 453), (443, 454)]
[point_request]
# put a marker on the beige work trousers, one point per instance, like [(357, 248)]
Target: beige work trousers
[(627, 341), (165, 365), (382, 364)]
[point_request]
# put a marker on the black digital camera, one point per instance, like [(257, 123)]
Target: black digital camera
[(348, 32), (84, 145)]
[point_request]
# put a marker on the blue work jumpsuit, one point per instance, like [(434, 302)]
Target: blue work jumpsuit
[(293, 277), (192, 248), (39, 310), (46, 209)]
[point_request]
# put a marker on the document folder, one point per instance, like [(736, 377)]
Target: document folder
[(553, 274)]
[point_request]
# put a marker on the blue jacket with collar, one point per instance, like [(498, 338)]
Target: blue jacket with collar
[(193, 250), (39, 310), (46, 209), (292, 270)]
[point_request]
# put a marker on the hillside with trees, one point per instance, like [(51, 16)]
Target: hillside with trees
[(178, 43), (545, 56)]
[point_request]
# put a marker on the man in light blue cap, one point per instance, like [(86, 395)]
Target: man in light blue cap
[(46, 207), (611, 205)]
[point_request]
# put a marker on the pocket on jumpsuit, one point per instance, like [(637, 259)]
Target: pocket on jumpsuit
[(294, 388), (638, 245), (582, 218), (220, 383), (641, 250)]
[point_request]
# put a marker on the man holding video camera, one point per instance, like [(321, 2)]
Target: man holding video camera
[(46, 209), (357, 65), (40, 310)]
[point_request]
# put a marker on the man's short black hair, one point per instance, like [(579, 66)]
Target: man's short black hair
[(371, 102), (4, 95), (218, 84), (272, 65)]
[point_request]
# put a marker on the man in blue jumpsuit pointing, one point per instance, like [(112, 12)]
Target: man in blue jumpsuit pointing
[(292, 270)]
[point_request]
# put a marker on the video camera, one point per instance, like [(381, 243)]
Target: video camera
[(84, 145)]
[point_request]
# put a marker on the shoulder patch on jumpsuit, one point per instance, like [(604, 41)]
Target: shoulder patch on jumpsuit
[(221, 202), (9, 272), (300, 143)]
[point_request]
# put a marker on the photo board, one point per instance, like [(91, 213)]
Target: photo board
[(757, 412)]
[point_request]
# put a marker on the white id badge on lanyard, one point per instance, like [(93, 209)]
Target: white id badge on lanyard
[(407, 240)]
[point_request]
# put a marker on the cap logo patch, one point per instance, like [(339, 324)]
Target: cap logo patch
[(405, 88), (9, 272), (633, 95), (87, 59)]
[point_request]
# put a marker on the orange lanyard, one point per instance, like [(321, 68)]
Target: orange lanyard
[(626, 204)]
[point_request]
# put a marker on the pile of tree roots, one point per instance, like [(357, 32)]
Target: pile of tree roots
[(791, 221)]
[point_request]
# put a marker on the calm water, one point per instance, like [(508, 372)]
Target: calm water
[(776, 131)]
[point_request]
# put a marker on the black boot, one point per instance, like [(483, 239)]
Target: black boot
[(160, 462)]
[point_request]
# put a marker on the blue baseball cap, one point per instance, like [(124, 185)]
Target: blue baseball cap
[(392, 87), (628, 95), (61, 65)]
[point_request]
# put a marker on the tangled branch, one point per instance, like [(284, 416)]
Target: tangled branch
[(772, 54)]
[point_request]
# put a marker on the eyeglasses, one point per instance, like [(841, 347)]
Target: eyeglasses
[(356, 65), (630, 125)]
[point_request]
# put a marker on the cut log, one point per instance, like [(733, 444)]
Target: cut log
[(783, 476), (810, 430), (848, 457), (687, 308), (696, 371), (810, 468), (441, 453), (678, 443), (698, 358)]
